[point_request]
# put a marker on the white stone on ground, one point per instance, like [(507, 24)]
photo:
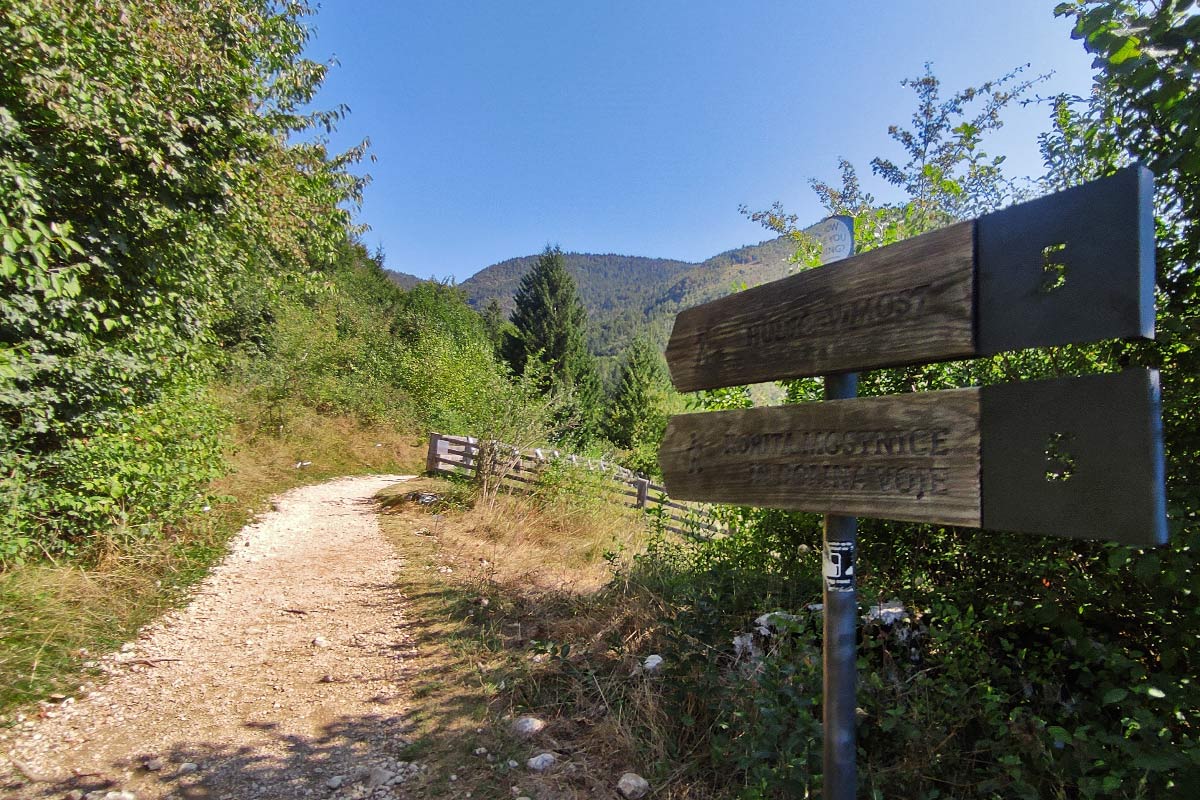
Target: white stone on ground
[(768, 624), (542, 762), (632, 786), (528, 726), (888, 613), (378, 777), (744, 646)]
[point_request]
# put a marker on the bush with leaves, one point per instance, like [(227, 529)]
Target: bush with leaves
[(147, 175), (357, 344)]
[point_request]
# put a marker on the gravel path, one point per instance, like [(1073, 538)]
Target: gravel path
[(282, 679)]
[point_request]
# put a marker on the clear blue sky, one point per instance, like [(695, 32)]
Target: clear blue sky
[(639, 127)]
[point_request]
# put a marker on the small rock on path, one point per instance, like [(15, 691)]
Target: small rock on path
[(527, 726), (542, 762)]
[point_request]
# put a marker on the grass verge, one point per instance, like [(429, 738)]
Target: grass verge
[(515, 612)]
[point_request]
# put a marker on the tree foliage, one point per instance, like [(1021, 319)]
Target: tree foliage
[(550, 328), (635, 416), (948, 176), (147, 178)]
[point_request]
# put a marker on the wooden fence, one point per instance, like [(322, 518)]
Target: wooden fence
[(459, 455)]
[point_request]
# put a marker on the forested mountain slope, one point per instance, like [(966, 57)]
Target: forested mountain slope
[(627, 295), (402, 279)]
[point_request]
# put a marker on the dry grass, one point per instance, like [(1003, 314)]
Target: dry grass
[(55, 616), (542, 547), (265, 446), (519, 614)]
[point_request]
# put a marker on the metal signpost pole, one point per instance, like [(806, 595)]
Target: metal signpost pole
[(840, 596), (839, 590)]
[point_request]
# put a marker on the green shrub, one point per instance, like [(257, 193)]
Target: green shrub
[(1026, 668), (125, 477), (151, 202)]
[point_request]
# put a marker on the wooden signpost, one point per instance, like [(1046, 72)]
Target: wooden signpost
[(1075, 457)]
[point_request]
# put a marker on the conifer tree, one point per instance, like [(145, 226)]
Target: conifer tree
[(636, 411), (495, 325), (550, 326)]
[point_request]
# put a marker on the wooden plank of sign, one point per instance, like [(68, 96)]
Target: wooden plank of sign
[(910, 457), (903, 304), (1074, 266)]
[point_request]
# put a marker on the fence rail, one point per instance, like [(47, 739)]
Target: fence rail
[(459, 455)]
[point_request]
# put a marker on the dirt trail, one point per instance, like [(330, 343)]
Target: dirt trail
[(283, 677)]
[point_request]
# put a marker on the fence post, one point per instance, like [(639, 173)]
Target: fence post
[(431, 458), (470, 451), (643, 488)]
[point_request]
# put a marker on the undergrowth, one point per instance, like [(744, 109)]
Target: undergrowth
[(557, 602)]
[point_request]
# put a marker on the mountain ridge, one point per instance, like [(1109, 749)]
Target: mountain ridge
[(630, 295), (626, 296)]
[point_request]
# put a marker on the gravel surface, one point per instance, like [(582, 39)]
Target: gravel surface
[(283, 678)]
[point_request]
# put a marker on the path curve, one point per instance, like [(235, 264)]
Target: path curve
[(282, 678)]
